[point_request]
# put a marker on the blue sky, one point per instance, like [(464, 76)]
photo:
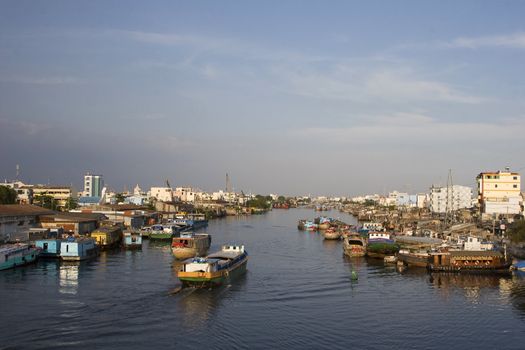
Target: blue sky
[(290, 97)]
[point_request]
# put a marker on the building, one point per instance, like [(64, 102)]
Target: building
[(24, 193), (499, 193), (163, 194), (61, 194), (93, 185), (16, 220), (186, 194), (441, 201), (73, 223)]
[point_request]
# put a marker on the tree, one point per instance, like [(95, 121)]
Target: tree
[(7, 195), (72, 203), (119, 198), (46, 201), (517, 231)]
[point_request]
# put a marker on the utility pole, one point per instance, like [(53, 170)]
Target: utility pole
[(449, 208)]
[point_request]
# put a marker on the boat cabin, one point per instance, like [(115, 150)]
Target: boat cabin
[(378, 236), (50, 248), (372, 226)]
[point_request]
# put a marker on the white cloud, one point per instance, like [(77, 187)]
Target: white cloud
[(515, 40)]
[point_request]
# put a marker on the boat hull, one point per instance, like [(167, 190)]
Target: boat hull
[(414, 260), (21, 258), (213, 279)]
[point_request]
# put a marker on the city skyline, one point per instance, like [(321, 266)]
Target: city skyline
[(287, 97)]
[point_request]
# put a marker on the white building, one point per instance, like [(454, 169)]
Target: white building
[(93, 185), (441, 200), (186, 194), (499, 193), (24, 193), (163, 194)]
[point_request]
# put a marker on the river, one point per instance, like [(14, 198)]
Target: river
[(296, 294)]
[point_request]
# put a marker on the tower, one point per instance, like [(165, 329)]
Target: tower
[(93, 185)]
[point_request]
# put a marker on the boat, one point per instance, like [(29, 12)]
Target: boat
[(145, 232), (323, 223), (380, 245), (332, 234), (390, 259), (354, 246), (518, 266), (215, 269), (164, 232), (107, 237), (49, 248), (468, 261), (77, 249), (415, 259), (190, 244), (132, 240), (18, 254), (191, 221)]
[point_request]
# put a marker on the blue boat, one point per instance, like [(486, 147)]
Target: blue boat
[(519, 265), (78, 249), (19, 254), (49, 248)]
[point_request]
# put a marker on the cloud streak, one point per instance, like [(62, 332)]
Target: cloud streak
[(513, 41)]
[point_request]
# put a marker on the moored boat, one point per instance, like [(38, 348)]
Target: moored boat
[(215, 269), (132, 240), (380, 245), (190, 244), (468, 261), (164, 232), (18, 254), (354, 246), (49, 248), (415, 259), (78, 249), (332, 234), (107, 237)]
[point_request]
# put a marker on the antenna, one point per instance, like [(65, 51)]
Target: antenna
[(17, 171), (228, 183)]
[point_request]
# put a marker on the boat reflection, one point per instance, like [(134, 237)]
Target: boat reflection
[(69, 278)]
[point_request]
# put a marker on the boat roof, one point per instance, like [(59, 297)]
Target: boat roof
[(9, 248), (225, 255), (470, 253)]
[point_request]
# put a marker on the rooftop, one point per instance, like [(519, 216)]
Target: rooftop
[(22, 209)]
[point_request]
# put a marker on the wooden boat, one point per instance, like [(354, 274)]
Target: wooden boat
[(145, 232), (18, 254), (78, 249), (332, 234), (190, 244), (354, 246), (132, 240), (107, 237), (390, 259), (49, 248), (215, 269), (415, 259), (468, 261)]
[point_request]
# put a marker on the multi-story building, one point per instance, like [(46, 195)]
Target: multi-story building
[(441, 199), (24, 193), (163, 194), (499, 193), (93, 185), (61, 194)]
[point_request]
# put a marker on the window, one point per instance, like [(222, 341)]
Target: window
[(21, 223), (496, 185), (515, 178), (515, 186)]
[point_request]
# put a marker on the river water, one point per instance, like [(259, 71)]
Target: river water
[(296, 294)]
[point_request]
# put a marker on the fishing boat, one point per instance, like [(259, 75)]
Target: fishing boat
[(468, 261), (323, 223), (107, 237), (332, 234), (190, 244), (132, 240), (164, 232), (518, 266), (354, 246), (18, 254), (145, 232), (215, 269), (77, 249), (49, 248)]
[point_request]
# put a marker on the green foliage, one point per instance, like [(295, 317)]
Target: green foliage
[(260, 202), (7, 195), (119, 198), (517, 231), (45, 201), (72, 203), (370, 203), (281, 199)]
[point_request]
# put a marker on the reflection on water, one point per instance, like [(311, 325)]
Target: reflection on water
[(69, 278)]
